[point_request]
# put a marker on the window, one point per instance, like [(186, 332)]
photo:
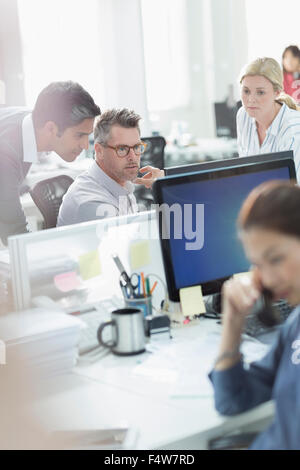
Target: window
[(166, 54), (272, 26), (60, 42)]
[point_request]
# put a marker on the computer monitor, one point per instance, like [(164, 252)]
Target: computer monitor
[(226, 119), (197, 222), (230, 162)]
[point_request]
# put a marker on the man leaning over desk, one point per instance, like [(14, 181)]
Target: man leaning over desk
[(106, 188), (61, 121)]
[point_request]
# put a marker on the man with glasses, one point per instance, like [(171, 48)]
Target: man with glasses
[(106, 189)]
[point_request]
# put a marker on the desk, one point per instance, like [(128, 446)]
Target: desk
[(138, 391), (213, 149), (110, 393)]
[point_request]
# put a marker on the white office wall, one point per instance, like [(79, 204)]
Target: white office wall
[(100, 43), (166, 53), (122, 56), (272, 26), (217, 48), (194, 114), (230, 44), (11, 63), (60, 42)]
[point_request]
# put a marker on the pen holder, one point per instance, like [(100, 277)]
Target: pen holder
[(141, 302)]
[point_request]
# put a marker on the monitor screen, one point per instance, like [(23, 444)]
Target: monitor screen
[(226, 119), (230, 162), (197, 223)]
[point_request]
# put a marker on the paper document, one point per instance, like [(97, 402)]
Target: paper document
[(89, 265), (139, 255)]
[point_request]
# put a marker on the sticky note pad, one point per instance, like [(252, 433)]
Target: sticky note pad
[(89, 265), (139, 254), (191, 300), (245, 275), (67, 282)]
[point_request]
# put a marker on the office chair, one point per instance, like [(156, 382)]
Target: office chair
[(154, 156), (47, 196)]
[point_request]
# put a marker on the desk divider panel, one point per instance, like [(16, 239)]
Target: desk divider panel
[(73, 265)]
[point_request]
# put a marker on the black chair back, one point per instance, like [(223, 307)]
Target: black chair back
[(47, 196), (153, 156), (154, 153)]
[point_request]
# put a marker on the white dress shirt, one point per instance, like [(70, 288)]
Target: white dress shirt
[(30, 153), (94, 195), (283, 134)]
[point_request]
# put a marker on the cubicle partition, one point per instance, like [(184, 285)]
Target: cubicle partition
[(73, 265)]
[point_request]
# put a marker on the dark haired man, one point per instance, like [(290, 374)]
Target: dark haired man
[(106, 188), (61, 121)]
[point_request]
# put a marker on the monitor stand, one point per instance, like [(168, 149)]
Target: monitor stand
[(212, 304)]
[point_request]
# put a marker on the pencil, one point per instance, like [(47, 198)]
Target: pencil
[(153, 287), (143, 284)]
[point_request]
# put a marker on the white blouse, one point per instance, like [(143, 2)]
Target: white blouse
[(283, 134)]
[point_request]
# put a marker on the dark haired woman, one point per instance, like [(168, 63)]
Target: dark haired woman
[(291, 72), (269, 228)]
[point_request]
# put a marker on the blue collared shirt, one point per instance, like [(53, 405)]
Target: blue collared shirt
[(277, 377), (283, 134)]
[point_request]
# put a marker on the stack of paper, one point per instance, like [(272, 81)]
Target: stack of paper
[(46, 341)]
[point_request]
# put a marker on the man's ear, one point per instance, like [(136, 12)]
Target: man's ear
[(51, 129), (99, 151)]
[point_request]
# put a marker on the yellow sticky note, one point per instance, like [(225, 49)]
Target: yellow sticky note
[(191, 300), (244, 275), (89, 265), (139, 254)]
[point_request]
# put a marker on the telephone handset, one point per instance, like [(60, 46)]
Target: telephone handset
[(265, 311)]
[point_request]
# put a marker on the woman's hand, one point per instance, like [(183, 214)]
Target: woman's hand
[(151, 175), (238, 298)]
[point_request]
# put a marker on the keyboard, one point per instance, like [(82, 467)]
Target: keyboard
[(254, 327), (92, 318)]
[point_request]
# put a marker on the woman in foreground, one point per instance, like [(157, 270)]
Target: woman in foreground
[(269, 227)]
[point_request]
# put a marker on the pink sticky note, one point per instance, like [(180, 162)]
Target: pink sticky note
[(66, 282)]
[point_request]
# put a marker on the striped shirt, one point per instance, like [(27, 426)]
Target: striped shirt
[(283, 134)]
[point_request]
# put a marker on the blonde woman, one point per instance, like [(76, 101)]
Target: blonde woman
[(269, 120)]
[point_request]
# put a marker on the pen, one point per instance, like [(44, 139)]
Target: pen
[(147, 286), (124, 290), (153, 287), (143, 284)]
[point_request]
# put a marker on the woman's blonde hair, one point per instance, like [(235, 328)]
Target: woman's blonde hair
[(271, 70)]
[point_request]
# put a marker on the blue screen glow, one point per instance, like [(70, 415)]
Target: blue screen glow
[(221, 254)]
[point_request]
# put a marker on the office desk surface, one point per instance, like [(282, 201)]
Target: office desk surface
[(135, 391)]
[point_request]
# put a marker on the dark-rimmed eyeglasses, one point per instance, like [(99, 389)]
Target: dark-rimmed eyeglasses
[(123, 150)]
